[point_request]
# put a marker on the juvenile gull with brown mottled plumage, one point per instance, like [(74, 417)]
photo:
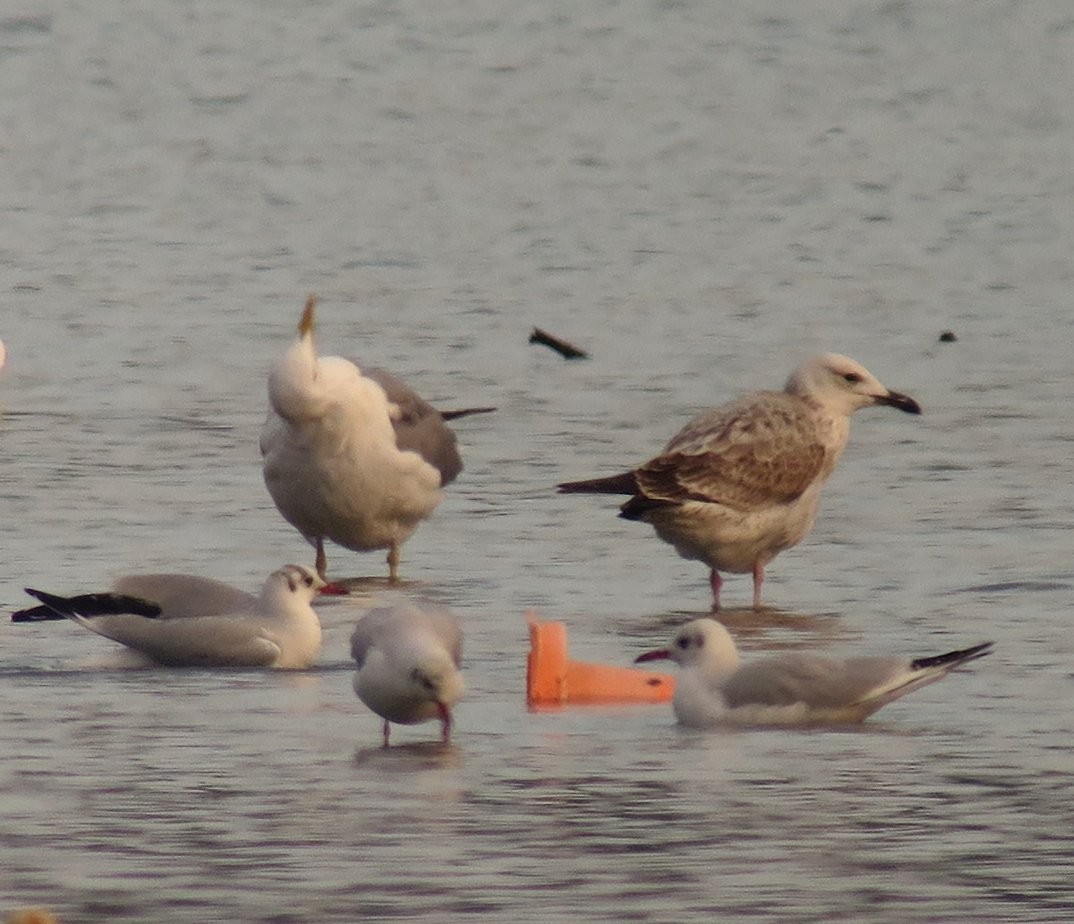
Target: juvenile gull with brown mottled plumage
[(741, 483)]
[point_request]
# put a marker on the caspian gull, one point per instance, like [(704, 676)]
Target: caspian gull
[(715, 688), (352, 456), (186, 621), (740, 483), (408, 657)]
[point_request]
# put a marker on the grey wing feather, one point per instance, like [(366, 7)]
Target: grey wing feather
[(446, 626), (365, 634), (419, 426), (379, 625), (181, 596), (816, 681)]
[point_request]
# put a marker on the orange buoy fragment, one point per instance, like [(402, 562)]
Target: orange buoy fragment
[(553, 679)]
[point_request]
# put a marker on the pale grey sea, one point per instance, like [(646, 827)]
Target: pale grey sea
[(698, 193)]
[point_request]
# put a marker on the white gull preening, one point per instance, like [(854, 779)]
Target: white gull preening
[(352, 456), (741, 483), (715, 688), (185, 621), (408, 657)]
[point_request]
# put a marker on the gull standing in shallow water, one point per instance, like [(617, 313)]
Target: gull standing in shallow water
[(741, 483), (408, 658), (184, 621), (715, 688), (355, 458)]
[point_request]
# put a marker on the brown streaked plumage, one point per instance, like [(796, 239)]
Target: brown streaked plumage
[(741, 483)]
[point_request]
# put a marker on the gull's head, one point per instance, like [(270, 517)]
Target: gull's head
[(841, 385), (702, 642), (293, 582), (440, 681)]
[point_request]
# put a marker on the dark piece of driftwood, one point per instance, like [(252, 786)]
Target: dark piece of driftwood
[(566, 350)]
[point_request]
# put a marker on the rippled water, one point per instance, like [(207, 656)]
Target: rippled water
[(699, 195)]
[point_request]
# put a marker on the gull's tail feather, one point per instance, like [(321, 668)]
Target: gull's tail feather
[(466, 412), (625, 483)]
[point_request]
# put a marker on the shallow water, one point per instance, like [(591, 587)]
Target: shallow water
[(697, 195)]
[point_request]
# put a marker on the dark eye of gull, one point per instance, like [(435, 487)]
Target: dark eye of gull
[(852, 377)]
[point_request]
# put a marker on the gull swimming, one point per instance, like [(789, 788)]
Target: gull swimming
[(351, 456), (180, 620), (408, 658), (715, 688), (741, 483)]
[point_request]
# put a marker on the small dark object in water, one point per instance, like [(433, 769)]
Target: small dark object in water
[(566, 350), (948, 336)]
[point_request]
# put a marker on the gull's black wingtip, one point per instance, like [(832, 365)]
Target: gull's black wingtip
[(36, 613), (953, 658), (84, 605)]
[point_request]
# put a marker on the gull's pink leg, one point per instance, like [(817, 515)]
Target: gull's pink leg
[(445, 722), (715, 582), (758, 580), (393, 563)]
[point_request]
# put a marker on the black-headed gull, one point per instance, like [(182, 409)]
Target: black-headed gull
[(715, 688), (741, 483), (408, 656), (183, 620), (353, 457)]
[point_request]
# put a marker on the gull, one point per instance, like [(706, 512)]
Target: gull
[(715, 688), (353, 457), (181, 620), (741, 483), (408, 658)]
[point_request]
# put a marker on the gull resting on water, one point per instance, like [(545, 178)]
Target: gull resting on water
[(715, 688), (181, 620)]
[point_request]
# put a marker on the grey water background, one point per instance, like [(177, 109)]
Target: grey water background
[(698, 193)]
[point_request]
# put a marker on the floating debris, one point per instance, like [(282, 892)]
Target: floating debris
[(948, 336), (566, 350)]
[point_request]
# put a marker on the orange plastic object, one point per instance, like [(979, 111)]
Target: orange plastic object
[(552, 679)]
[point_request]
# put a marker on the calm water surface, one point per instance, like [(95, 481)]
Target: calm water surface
[(698, 194)]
